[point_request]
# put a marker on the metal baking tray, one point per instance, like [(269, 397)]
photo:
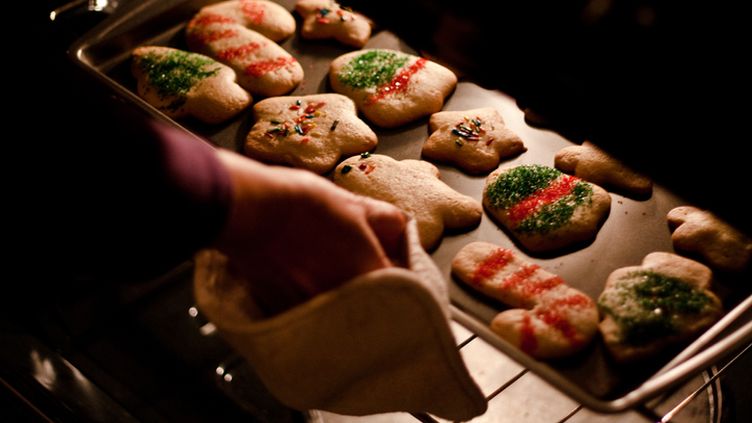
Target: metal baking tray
[(632, 230)]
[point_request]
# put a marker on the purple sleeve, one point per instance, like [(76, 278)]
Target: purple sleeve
[(137, 200)]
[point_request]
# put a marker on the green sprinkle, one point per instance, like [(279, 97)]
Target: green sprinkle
[(371, 69), (324, 11), (556, 215), (275, 121), (298, 129), (518, 183), (174, 73), (334, 125), (477, 122), (345, 169), (298, 102), (458, 142), (365, 155), (648, 305)]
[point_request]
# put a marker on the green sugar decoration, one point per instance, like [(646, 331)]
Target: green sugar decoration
[(371, 69), (176, 72)]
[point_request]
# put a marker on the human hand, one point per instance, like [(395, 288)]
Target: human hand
[(293, 234)]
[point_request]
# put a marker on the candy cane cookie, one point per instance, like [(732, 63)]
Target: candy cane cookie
[(262, 66), (549, 319)]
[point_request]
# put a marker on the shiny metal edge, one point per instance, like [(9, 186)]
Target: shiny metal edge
[(652, 387)]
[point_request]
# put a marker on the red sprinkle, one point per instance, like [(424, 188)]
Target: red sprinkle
[(492, 264), (252, 10), (398, 84), (238, 52), (312, 107), (528, 342), (533, 289), (263, 67), (490, 140), (519, 277), (322, 21), (558, 189), (294, 107), (305, 140), (206, 19)]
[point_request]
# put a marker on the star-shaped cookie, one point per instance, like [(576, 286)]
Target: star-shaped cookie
[(474, 140), (413, 186), (716, 242), (324, 19), (311, 132)]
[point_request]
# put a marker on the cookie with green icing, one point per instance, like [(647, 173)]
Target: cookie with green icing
[(181, 84), (391, 88), (662, 302), (544, 209)]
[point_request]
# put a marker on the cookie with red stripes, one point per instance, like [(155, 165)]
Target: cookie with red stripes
[(474, 140), (324, 19), (265, 17), (662, 302), (311, 132), (389, 87), (262, 66), (548, 318), (544, 209), (413, 186), (180, 84)]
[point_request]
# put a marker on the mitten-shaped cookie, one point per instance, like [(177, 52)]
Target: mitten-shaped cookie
[(543, 208), (391, 88)]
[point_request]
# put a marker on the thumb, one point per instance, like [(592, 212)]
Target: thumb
[(388, 224)]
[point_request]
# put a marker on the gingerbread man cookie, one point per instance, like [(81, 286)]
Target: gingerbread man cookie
[(702, 233), (263, 67), (324, 19), (543, 208), (413, 186), (549, 319), (181, 84), (391, 88), (664, 301), (592, 164), (311, 132), (473, 140)]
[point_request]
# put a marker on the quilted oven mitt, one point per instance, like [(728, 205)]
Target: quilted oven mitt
[(379, 343)]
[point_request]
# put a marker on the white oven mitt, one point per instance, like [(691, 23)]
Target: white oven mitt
[(379, 343)]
